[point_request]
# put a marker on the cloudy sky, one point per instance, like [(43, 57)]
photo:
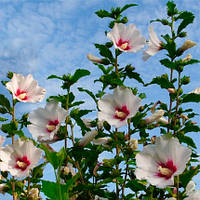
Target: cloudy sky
[(45, 37)]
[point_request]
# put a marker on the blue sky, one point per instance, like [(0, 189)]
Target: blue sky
[(44, 37)]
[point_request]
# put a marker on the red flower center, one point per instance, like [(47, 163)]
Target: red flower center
[(123, 44), (22, 163), (166, 170), (51, 126), (121, 113), (21, 94)]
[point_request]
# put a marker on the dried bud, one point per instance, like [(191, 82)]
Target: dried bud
[(171, 90), (193, 122), (88, 137), (133, 143), (184, 117), (153, 139), (34, 193), (187, 58), (187, 45), (94, 58), (69, 169), (96, 168), (155, 116)]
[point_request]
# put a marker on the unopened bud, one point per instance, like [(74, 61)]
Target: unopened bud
[(87, 123), (2, 188), (88, 137), (100, 124), (133, 143), (184, 117), (2, 140), (196, 91), (193, 122), (101, 141), (187, 58), (153, 139), (190, 187), (163, 120), (187, 45), (155, 116), (34, 193), (94, 58), (171, 90)]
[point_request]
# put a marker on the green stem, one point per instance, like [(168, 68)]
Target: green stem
[(116, 67), (177, 187), (67, 118), (58, 183)]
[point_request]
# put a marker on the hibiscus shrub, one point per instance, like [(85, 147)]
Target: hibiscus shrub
[(136, 164)]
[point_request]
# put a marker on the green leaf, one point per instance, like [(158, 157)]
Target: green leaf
[(127, 6), (3, 110), (188, 175), (104, 51), (4, 102), (103, 13), (3, 119), (187, 17), (171, 8), (135, 185), (163, 21), (54, 76), (55, 158), (136, 76), (9, 128), (51, 190), (187, 140), (79, 73), (192, 97), (167, 63), (162, 81), (89, 93)]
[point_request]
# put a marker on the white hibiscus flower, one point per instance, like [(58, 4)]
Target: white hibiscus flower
[(158, 163), (154, 44), (19, 158), (25, 89), (126, 38), (45, 122), (117, 108)]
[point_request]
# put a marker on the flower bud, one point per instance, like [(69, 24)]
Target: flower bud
[(187, 45), (190, 187), (88, 137), (69, 169), (155, 116), (163, 120), (133, 143), (96, 168), (171, 90), (94, 58), (196, 91), (87, 123), (187, 58), (2, 188), (101, 141), (2, 140)]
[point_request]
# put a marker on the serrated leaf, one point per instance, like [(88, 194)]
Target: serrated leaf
[(187, 140), (105, 51), (79, 73), (136, 76), (89, 93), (51, 190), (3, 119), (4, 102), (53, 76), (127, 6), (187, 17), (171, 8), (103, 13), (188, 175), (192, 97), (162, 81), (167, 63)]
